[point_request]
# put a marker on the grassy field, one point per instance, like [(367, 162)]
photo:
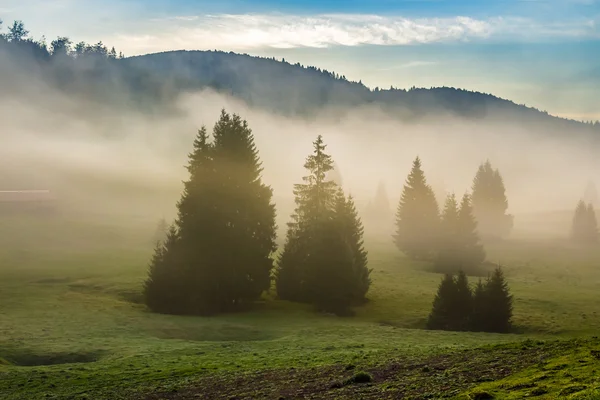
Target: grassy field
[(72, 326)]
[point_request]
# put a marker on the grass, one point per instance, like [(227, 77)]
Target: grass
[(72, 326)]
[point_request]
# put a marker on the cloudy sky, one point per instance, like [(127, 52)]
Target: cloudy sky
[(543, 53)]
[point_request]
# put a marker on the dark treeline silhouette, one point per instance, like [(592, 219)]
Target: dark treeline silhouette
[(584, 229), (153, 81), (487, 308)]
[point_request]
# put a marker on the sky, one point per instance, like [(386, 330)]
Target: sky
[(542, 53)]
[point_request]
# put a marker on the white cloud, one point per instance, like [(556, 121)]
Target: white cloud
[(251, 31)]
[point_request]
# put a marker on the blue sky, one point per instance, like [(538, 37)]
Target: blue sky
[(543, 53)]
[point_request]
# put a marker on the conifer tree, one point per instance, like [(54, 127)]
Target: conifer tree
[(335, 175), (442, 310), (224, 206), (379, 211), (490, 202), (162, 288), (449, 256), (479, 311), (452, 305), (351, 226), (592, 224), (472, 252), (162, 228), (584, 229), (498, 304), (314, 198), (463, 304), (323, 261), (417, 217)]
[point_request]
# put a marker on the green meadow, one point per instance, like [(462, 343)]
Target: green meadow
[(73, 326)]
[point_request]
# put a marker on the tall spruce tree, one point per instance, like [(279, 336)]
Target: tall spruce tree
[(417, 217), (323, 261), (224, 206), (314, 199), (490, 203), (584, 229)]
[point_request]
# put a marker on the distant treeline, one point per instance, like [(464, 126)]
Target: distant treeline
[(154, 80)]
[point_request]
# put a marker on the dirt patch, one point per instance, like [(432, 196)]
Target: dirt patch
[(441, 376), (34, 359)]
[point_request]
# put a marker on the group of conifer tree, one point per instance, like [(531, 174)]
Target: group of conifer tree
[(487, 308), (584, 229), (217, 255), (452, 239)]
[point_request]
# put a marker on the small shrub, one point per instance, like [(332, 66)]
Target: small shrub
[(360, 377)]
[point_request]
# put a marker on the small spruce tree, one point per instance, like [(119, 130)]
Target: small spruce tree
[(417, 217), (498, 304), (471, 249), (584, 229), (442, 312), (449, 257), (477, 320), (490, 203), (463, 304)]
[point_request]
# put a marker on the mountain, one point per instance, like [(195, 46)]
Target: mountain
[(152, 82)]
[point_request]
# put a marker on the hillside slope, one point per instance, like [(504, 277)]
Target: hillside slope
[(152, 82)]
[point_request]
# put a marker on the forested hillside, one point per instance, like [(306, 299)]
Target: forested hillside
[(153, 81)]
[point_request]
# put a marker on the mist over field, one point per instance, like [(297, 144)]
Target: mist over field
[(123, 161)]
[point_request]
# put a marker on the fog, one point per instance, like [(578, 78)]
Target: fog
[(124, 162)]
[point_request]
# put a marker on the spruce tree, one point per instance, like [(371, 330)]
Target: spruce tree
[(417, 217), (323, 261), (162, 289), (490, 202), (463, 304), (479, 310), (584, 228), (162, 228), (379, 211), (352, 228), (243, 204), (225, 227), (449, 256), (314, 198), (471, 251), (498, 304), (592, 224), (442, 312)]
